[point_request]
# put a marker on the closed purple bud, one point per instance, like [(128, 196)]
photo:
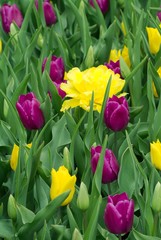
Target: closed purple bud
[(10, 14), (159, 15), (103, 5), (29, 111), (119, 213), (57, 70), (49, 13), (110, 166), (114, 66), (116, 114)]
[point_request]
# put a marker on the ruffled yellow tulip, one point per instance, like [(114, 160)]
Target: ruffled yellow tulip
[(61, 182), (154, 38), (155, 154), (14, 156), (81, 84)]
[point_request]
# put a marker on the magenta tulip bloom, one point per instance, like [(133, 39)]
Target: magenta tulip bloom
[(29, 111), (159, 15), (57, 70), (116, 114), (110, 166), (114, 66), (49, 13), (103, 5), (119, 213), (10, 14)]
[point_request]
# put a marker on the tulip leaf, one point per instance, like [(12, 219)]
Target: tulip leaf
[(27, 215), (140, 236), (45, 214), (6, 227), (91, 230)]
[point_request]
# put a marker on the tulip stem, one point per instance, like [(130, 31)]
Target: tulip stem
[(120, 237), (155, 225)]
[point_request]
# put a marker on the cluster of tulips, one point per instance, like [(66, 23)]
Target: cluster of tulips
[(80, 107)]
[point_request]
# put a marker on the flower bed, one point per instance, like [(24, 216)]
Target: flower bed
[(80, 119)]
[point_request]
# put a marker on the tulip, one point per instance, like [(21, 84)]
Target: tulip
[(155, 154), (103, 5), (119, 213), (110, 166), (49, 14), (0, 45), (14, 156), (114, 66), (154, 38), (10, 14), (61, 182), (159, 15), (29, 111), (156, 199), (116, 114), (83, 197), (57, 70)]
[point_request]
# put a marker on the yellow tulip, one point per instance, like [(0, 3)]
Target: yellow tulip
[(155, 154), (81, 84), (14, 156), (154, 38), (61, 182), (153, 85), (0, 45), (124, 53)]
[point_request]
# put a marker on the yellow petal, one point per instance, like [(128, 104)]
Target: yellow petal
[(61, 182), (0, 45), (155, 153), (154, 38), (14, 157)]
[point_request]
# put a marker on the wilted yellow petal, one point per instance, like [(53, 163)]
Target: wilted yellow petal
[(14, 157), (61, 182), (154, 38), (155, 153)]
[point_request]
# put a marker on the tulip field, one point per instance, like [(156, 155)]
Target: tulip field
[(80, 119)]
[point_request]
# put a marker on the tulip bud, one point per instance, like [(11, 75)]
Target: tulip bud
[(83, 197), (49, 13), (156, 199), (77, 235), (103, 5), (119, 213), (10, 14), (116, 114), (29, 111), (13, 31), (57, 71), (40, 40), (12, 211), (110, 166), (89, 61), (66, 159)]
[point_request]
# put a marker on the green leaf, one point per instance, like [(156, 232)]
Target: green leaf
[(27, 215), (140, 236), (6, 229), (27, 230)]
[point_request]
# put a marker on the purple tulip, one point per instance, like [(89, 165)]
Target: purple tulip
[(159, 15), (10, 14), (119, 213), (114, 66), (49, 13), (57, 70), (103, 5), (110, 166), (29, 111), (116, 114)]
